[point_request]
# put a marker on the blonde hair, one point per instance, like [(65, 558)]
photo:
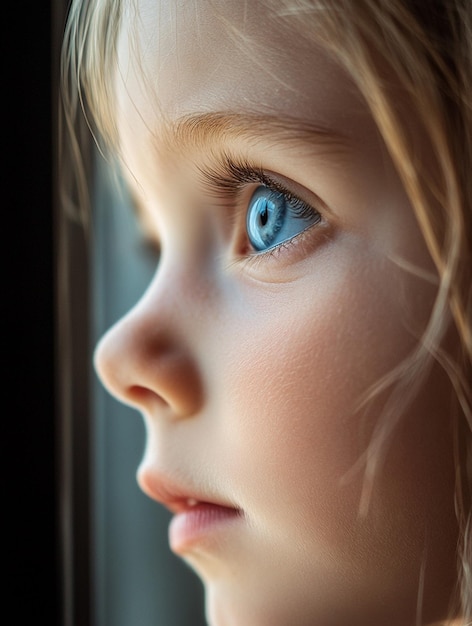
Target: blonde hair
[(427, 49)]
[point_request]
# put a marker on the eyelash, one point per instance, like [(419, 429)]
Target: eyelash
[(228, 180)]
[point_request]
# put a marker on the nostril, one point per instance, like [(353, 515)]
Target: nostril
[(144, 397)]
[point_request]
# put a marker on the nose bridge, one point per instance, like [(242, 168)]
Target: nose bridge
[(146, 359)]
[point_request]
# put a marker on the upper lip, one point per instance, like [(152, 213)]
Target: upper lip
[(173, 496)]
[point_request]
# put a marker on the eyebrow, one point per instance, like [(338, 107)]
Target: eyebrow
[(205, 129)]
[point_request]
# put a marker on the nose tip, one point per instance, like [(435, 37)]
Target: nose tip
[(142, 363)]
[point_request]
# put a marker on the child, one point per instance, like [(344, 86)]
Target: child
[(302, 357)]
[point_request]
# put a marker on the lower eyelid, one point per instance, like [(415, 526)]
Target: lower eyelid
[(295, 248)]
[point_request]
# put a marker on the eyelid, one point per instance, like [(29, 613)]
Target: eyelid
[(230, 176), (294, 190), (288, 252)]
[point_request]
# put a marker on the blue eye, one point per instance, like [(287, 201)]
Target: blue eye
[(273, 218)]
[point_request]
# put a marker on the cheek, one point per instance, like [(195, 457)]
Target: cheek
[(314, 347), (298, 366), (300, 363)]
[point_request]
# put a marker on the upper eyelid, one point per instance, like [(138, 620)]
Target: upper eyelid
[(229, 177)]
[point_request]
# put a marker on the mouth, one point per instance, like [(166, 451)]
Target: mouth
[(198, 519), (199, 523)]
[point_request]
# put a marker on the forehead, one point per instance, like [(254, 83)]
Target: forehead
[(182, 57)]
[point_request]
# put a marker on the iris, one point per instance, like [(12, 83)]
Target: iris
[(273, 218)]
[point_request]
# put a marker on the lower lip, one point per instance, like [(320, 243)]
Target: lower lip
[(198, 523)]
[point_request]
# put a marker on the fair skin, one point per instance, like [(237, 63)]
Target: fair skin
[(248, 365)]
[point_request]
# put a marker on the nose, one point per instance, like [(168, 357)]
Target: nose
[(145, 361)]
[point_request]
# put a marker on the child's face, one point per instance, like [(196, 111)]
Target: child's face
[(248, 358)]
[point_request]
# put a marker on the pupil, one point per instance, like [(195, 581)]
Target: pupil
[(264, 216)]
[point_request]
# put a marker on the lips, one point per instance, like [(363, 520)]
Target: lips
[(174, 496), (198, 518), (199, 525)]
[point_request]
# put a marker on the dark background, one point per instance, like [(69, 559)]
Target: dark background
[(30, 54)]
